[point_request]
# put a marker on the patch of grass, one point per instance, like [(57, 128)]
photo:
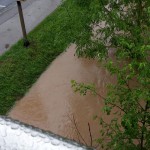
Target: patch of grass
[(20, 67)]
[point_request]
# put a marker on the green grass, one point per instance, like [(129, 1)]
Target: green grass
[(20, 67)]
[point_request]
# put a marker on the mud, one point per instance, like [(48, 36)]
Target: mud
[(52, 105)]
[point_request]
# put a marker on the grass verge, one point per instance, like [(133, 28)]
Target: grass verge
[(20, 67)]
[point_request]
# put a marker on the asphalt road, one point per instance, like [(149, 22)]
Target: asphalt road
[(34, 12), (8, 8), (4, 4)]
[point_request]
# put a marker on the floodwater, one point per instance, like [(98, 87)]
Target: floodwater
[(51, 103)]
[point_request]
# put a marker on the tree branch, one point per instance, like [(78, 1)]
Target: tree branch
[(144, 123), (90, 134)]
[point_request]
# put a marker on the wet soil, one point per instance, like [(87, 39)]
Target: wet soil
[(51, 103)]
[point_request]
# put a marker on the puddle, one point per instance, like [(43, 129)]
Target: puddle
[(52, 105)]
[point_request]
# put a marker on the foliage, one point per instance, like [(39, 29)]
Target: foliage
[(122, 26)]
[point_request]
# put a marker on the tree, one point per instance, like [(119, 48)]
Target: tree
[(126, 31)]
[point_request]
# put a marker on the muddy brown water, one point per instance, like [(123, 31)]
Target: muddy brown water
[(52, 105)]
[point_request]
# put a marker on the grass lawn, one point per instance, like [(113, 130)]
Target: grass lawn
[(20, 67)]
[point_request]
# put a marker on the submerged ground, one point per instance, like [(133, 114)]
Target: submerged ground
[(51, 103)]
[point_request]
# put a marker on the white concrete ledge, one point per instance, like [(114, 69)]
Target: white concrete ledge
[(18, 136)]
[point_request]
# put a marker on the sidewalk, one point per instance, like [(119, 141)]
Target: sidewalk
[(10, 31)]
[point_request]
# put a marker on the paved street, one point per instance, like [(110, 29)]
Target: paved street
[(8, 8), (5, 3), (34, 12)]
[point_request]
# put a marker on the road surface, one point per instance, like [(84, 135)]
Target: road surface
[(5, 3), (34, 12), (8, 8)]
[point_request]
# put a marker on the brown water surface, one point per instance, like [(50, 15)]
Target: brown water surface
[(51, 103)]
